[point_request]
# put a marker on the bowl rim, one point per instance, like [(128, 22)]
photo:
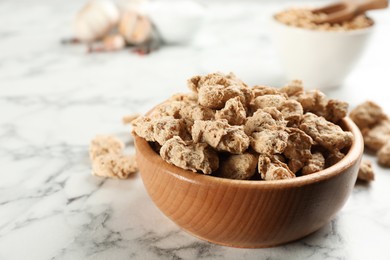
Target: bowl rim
[(341, 32), (353, 155)]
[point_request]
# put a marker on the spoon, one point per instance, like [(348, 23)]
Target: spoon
[(348, 9)]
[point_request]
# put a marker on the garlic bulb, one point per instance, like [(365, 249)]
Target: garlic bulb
[(135, 27), (95, 20)]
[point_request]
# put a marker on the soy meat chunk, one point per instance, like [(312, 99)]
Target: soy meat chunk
[(186, 97), (298, 149), (315, 164), (234, 112), (105, 144), (159, 129), (376, 137), (238, 166), (189, 155), (367, 115), (316, 102), (269, 141), (267, 101), (325, 133), (366, 173), (334, 157), (292, 111), (335, 110), (114, 166), (272, 169), (384, 155), (183, 109), (217, 88), (262, 119), (293, 89), (220, 135), (261, 90)]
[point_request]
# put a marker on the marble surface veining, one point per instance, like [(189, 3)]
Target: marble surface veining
[(54, 99)]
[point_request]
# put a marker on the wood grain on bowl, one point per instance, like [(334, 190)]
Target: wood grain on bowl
[(244, 213)]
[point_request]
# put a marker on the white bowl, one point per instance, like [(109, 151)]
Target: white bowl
[(322, 59)]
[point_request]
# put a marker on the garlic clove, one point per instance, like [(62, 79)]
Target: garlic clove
[(95, 20), (135, 27), (110, 43)]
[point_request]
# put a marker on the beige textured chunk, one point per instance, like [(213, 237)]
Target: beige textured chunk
[(127, 119), (220, 135), (261, 120), (378, 136), (261, 90), (315, 101), (189, 155), (114, 166), (272, 169), (292, 111), (335, 110), (293, 89), (298, 149), (183, 109), (159, 129), (269, 142), (105, 144), (384, 155), (325, 133), (217, 88), (334, 157), (366, 173), (186, 97), (240, 166), (234, 112), (367, 115), (315, 164), (261, 102)]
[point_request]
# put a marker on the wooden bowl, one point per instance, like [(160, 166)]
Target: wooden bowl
[(244, 213)]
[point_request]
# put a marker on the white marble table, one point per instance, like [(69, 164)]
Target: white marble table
[(54, 99)]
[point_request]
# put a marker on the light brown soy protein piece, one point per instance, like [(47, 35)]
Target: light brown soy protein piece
[(159, 129), (262, 119), (315, 164), (105, 144), (272, 169), (292, 112), (376, 137), (367, 115), (325, 133), (384, 155), (220, 135), (262, 102), (333, 157), (366, 173), (293, 89), (189, 155), (269, 141), (114, 166), (234, 112), (298, 149), (215, 89), (238, 166)]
